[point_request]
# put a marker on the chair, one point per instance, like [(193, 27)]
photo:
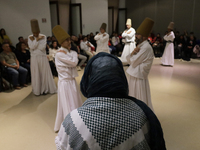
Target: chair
[(4, 74)]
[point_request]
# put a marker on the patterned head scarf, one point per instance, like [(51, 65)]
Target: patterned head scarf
[(104, 77)]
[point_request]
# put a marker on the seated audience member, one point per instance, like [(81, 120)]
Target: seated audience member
[(81, 57), (17, 72), (80, 38), (157, 44), (53, 38), (12, 48), (109, 118), (112, 49), (49, 41), (87, 47), (23, 56), (196, 49), (20, 39), (92, 40), (52, 52), (189, 48), (4, 37), (116, 43), (179, 47), (26, 43)]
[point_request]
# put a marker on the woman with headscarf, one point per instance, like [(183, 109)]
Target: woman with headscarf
[(109, 118)]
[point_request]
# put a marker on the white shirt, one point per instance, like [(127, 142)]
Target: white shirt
[(115, 40), (102, 42), (85, 47), (52, 53), (129, 37), (66, 64), (37, 47), (140, 64)]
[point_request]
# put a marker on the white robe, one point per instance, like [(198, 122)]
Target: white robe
[(41, 76), (168, 55), (69, 97), (140, 65), (129, 44), (102, 43)]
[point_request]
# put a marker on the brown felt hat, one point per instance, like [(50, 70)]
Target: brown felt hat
[(171, 26), (103, 26), (35, 26), (145, 27), (60, 34)]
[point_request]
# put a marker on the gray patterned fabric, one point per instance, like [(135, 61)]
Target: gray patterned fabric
[(75, 140), (111, 121)]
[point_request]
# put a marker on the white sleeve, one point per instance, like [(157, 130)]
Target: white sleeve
[(113, 40), (169, 37), (137, 59), (104, 38), (32, 44), (124, 34), (130, 35), (83, 46), (91, 44), (68, 60), (97, 37), (42, 43)]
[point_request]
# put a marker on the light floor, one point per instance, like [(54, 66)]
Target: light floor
[(27, 121)]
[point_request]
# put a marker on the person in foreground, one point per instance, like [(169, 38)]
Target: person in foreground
[(69, 97), (140, 61), (109, 118)]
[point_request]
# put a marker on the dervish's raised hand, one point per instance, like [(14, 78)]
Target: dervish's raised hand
[(31, 38), (129, 32), (104, 34), (135, 51), (40, 37)]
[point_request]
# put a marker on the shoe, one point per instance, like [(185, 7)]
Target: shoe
[(44, 93), (78, 68), (25, 85), (17, 87)]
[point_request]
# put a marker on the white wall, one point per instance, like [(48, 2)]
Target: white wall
[(64, 13), (94, 13), (16, 15)]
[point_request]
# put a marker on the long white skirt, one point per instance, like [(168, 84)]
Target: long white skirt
[(139, 88), (41, 77), (69, 98), (168, 55), (128, 49)]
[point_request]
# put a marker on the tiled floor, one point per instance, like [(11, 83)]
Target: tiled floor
[(27, 121)]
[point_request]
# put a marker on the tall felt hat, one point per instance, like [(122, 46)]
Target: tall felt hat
[(171, 26), (60, 34), (145, 27), (128, 22), (35, 26), (103, 26)]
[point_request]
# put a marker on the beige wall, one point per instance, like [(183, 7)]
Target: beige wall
[(16, 15), (115, 4), (94, 13)]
